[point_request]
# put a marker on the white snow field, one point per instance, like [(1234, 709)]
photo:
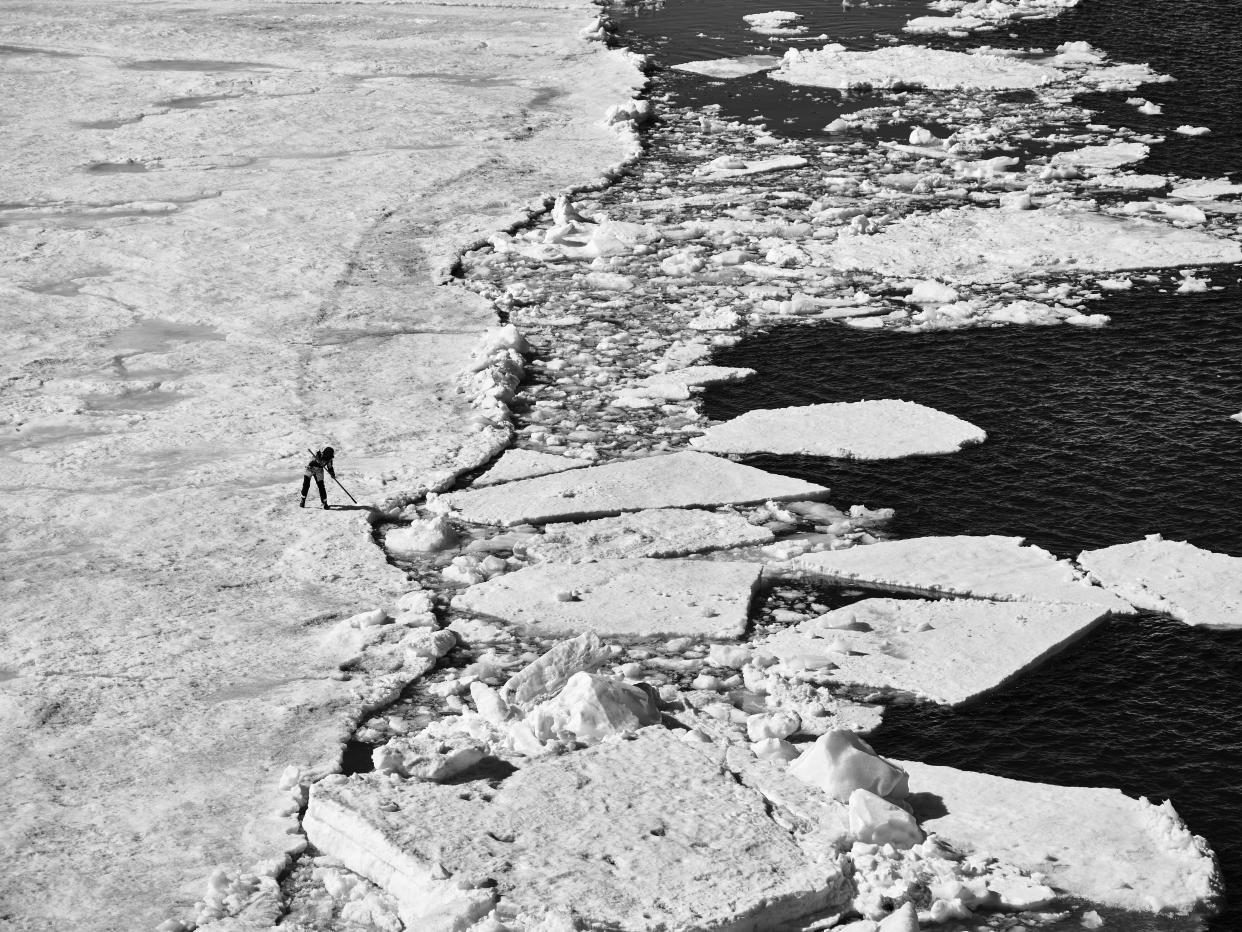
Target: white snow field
[(948, 651), (984, 567), (224, 233), (863, 430), (620, 598), (679, 480), (968, 244), (1196, 586), (1094, 843)]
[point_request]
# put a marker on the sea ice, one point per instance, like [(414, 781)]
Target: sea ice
[(948, 651), (1207, 189), (545, 676), (969, 244), (986, 567), (967, 16), (581, 835), (1093, 843), (728, 166), (678, 480), (1097, 158), (1196, 586), (525, 464), (663, 532), (865, 430), (730, 67), (776, 23), (592, 708), (840, 762), (623, 598), (935, 69)]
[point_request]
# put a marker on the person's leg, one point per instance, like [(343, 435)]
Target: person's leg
[(305, 489), (323, 493)]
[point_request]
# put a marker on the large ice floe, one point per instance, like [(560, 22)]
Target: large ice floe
[(1093, 843), (947, 651), (679, 480), (661, 532), (970, 16), (636, 598), (1196, 586), (864, 430), (984, 567)]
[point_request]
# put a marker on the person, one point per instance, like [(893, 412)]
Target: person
[(319, 462)]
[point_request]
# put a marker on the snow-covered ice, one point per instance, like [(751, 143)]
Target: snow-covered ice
[(984, 567), (661, 532), (948, 651), (969, 244), (679, 480), (525, 464), (1093, 843), (582, 835), (969, 16), (621, 598), (1194, 585), (864, 430), (936, 69), (730, 67)]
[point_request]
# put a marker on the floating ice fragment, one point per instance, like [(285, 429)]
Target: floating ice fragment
[(839, 762), (881, 429), (876, 821), (1186, 130), (730, 67)]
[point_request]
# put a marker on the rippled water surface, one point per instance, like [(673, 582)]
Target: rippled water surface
[(1095, 436)]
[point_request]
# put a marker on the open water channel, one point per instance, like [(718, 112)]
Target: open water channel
[(1096, 437)]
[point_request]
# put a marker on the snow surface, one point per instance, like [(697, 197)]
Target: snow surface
[(622, 598), (525, 464), (864, 430), (661, 532), (1196, 586), (730, 67), (679, 480), (702, 852), (269, 282), (968, 244), (949, 651), (987, 567), (1098, 844)]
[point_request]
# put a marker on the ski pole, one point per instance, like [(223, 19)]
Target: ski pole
[(334, 479)]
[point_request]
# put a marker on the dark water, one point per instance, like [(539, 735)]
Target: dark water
[(1095, 436)]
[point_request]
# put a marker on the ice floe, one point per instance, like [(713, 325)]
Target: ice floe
[(661, 532), (969, 244), (623, 598), (679, 480), (948, 651), (904, 65), (1093, 843), (730, 67), (864, 430), (985, 567), (776, 23), (970, 16), (525, 464), (700, 852), (1194, 585)]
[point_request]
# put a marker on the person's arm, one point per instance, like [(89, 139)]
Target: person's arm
[(331, 471)]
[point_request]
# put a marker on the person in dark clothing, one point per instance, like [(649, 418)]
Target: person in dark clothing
[(314, 469)]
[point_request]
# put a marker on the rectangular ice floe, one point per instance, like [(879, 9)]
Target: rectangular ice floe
[(968, 244), (1196, 586), (679, 480), (947, 651), (625, 598), (634, 835), (661, 532), (987, 567), (1093, 843), (730, 67), (525, 464), (864, 430)]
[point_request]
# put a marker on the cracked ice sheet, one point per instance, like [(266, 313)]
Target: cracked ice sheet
[(968, 244), (862, 430), (679, 480), (661, 532), (164, 606), (1196, 586), (948, 651), (620, 598), (525, 464), (581, 834), (986, 567), (1094, 843)]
